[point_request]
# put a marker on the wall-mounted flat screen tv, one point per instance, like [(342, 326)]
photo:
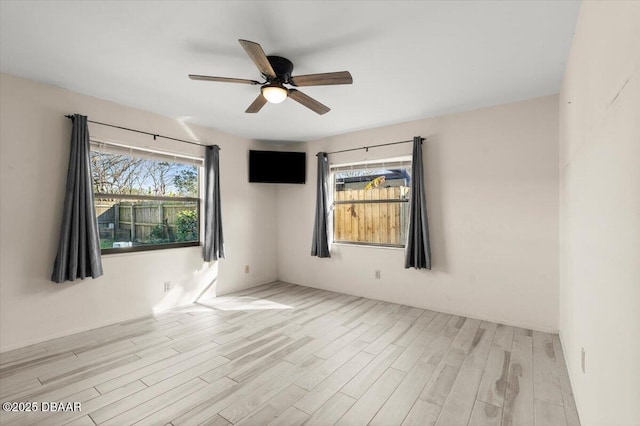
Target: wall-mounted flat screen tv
[(277, 166)]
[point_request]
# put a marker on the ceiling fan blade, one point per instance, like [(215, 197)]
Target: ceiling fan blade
[(256, 105), (222, 79), (308, 101), (255, 52), (324, 79)]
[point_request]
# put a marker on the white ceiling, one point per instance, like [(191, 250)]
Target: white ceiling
[(409, 60)]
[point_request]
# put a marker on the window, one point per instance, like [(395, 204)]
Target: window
[(371, 202), (144, 200)]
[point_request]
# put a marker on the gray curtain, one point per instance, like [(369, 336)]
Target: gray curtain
[(79, 246), (213, 240), (418, 251), (320, 245)]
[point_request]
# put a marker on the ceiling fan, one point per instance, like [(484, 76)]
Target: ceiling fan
[(276, 71)]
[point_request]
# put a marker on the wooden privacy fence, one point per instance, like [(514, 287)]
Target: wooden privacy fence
[(127, 221), (377, 216)]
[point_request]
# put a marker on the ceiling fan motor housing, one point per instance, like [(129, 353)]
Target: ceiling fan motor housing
[(282, 67)]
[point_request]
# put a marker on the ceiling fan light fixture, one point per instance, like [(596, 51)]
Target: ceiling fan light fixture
[(274, 93)]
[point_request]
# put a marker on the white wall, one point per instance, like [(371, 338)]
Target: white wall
[(600, 213), (34, 153), (492, 196)]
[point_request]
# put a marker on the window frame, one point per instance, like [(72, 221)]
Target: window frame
[(149, 247), (121, 149), (398, 162)]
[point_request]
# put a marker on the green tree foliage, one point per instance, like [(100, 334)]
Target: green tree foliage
[(186, 182), (159, 235), (187, 225)]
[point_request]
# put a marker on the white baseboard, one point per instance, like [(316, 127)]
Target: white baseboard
[(444, 311)]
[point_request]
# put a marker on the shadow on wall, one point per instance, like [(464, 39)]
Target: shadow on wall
[(433, 187), (201, 284)]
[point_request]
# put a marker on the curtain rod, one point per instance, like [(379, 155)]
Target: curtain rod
[(155, 135), (371, 146), (100, 142)]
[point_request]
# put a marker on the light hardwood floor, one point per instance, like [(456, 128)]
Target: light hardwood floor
[(281, 354)]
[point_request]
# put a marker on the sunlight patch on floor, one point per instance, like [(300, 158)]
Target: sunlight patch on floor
[(243, 303), (195, 309)]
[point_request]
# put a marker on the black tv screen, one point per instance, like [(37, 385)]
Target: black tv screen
[(277, 167)]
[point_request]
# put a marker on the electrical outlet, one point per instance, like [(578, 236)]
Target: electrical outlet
[(246, 269), (377, 274), (167, 286), (582, 360)]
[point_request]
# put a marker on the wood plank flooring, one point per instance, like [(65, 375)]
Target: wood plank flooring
[(282, 354)]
